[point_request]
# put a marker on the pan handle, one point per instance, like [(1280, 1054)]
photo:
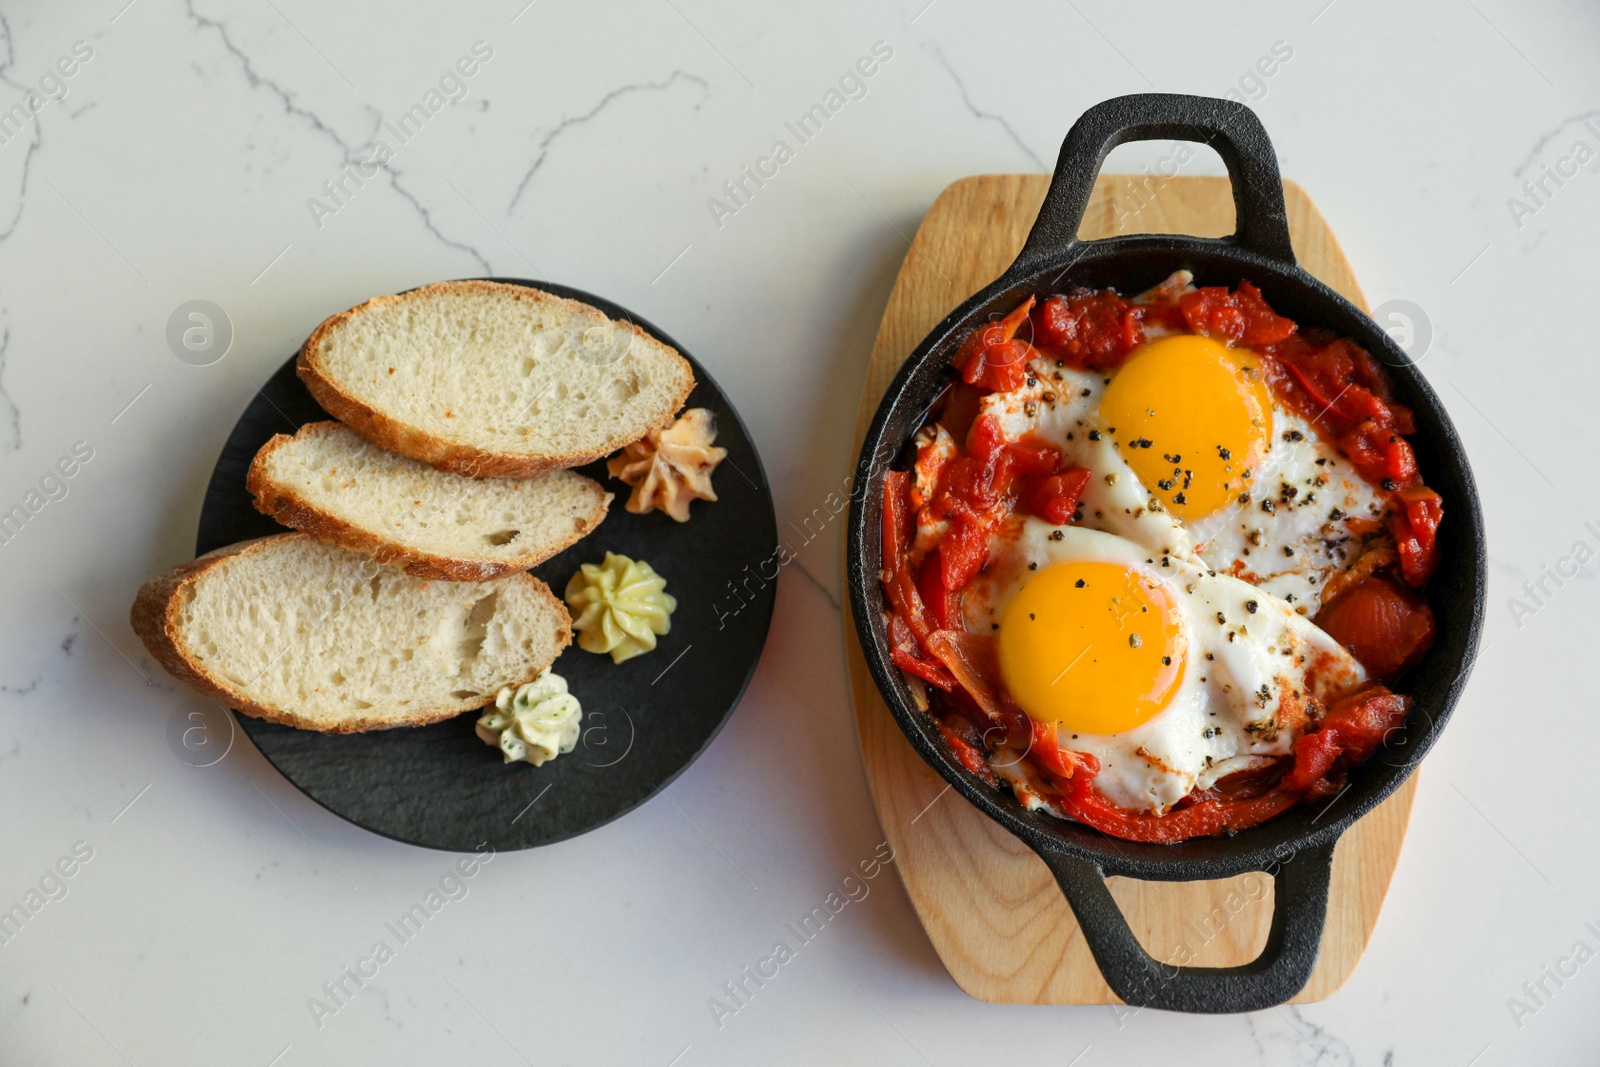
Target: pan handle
[(1232, 129), (1300, 908)]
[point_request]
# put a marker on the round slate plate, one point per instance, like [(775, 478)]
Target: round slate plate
[(644, 721)]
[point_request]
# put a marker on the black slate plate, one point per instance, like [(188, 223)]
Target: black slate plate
[(644, 721)]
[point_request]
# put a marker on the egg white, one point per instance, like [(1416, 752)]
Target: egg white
[(1292, 550), (1250, 675)]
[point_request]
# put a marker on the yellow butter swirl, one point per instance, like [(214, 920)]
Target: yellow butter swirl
[(619, 606)]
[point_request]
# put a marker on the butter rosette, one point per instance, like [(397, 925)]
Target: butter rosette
[(669, 468)]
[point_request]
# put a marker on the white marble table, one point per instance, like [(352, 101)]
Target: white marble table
[(178, 161)]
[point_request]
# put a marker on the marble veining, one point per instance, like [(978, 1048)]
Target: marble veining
[(987, 116), (542, 149), (287, 100), (1536, 152), (10, 416), (817, 583)]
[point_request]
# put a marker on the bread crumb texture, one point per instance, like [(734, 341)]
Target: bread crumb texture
[(329, 637)]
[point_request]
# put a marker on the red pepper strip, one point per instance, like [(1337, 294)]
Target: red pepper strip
[(1353, 728), (1418, 554), (1055, 499), (991, 358), (1206, 818), (1021, 459), (944, 605), (1365, 429), (928, 468), (1314, 756), (1366, 447), (963, 550), (1362, 403), (1324, 404), (926, 670), (896, 520), (1415, 530), (1211, 313), (1013, 322), (1417, 560), (973, 660), (975, 493), (1352, 409), (909, 657), (985, 438), (898, 585), (1059, 760), (1424, 507), (1399, 461), (1263, 326), (906, 604), (1019, 468), (968, 756), (1362, 720)]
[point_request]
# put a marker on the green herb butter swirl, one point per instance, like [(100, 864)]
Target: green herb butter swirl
[(536, 723)]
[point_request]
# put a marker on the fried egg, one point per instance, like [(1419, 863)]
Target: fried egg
[(1193, 459), (1173, 675)]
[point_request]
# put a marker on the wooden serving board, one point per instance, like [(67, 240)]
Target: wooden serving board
[(991, 908)]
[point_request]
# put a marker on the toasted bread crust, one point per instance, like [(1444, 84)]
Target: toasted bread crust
[(442, 453), (293, 510), (155, 620)]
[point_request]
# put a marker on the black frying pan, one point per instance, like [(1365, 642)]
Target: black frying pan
[(1296, 848)]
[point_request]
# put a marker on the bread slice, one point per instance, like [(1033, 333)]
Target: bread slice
[(339, 487), (492, 380), (292, 630)]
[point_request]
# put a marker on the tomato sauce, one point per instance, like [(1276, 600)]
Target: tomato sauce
[(1377, 615)]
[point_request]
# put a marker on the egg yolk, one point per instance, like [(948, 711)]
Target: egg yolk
[(1193, 419), (1093, 647)]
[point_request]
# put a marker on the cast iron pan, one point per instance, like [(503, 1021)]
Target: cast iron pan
[(1297, 846), (644, 721)]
